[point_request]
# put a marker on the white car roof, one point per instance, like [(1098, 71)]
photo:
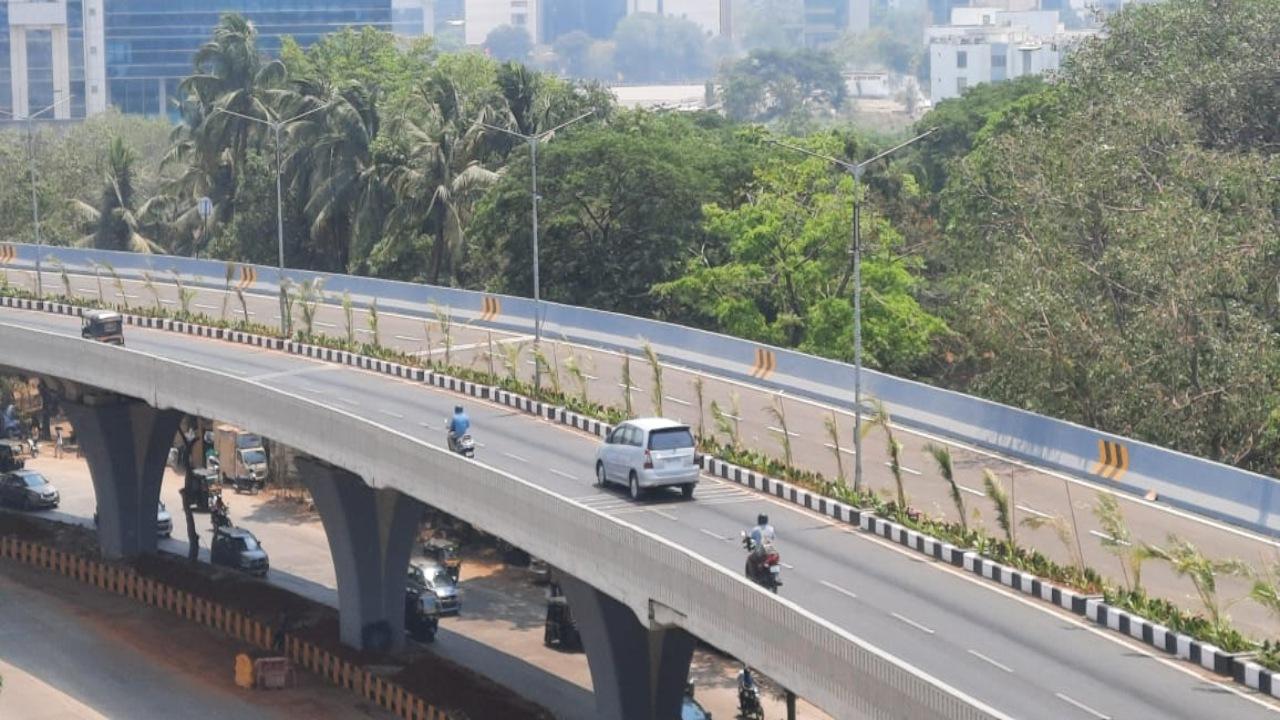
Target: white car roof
[(655, 423)]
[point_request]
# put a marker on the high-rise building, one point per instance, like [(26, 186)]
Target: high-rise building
[(131, 54), (713, 16), (827, 20), (597, 18), (484, 16)]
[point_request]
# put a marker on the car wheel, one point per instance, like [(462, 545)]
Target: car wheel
[(635, 486), (601, 479), (686, 491)]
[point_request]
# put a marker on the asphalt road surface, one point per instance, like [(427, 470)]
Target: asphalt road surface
[(1037, 493), (1014, 654)]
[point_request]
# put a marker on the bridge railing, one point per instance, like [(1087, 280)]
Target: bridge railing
[(1244, 498)]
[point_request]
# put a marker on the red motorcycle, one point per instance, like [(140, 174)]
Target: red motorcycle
[(764, 564)]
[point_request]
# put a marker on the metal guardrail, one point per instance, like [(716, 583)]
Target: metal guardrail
[(1240, 497)]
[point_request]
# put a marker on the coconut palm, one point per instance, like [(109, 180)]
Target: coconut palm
[(118, 221), (437, 179)]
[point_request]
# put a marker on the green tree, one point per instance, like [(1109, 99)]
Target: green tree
[(620, 209), (775, 84), (784, 278), (659, 48), (508, 42), (118, 219)]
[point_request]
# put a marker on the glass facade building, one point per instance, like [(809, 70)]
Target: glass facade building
[(150, 43), (135, 52)]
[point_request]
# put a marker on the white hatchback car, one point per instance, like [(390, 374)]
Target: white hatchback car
[(647, 453)]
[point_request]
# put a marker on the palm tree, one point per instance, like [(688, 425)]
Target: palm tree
[(335, 166), (118, 220), (231, 74), (438, 178)]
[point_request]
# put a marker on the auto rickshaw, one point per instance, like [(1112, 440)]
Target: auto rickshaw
[(103, 325), (204, 486), (445, 552), (560, 630)]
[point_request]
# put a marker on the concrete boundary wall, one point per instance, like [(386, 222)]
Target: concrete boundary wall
[(388, 695), (1243, 498), (823, 663)]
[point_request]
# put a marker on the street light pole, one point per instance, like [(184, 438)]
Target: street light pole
[(856, 170), (276, 126), (35, 203), (533, 141)]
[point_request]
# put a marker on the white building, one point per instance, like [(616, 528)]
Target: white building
[(483, 16), (985, 44)]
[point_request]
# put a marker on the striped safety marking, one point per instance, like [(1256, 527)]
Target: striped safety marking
[(1113, 460), (492, 308), (247, 277), (766, 363)]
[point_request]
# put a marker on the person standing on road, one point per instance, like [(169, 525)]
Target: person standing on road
[(193, 536), (57, 442)]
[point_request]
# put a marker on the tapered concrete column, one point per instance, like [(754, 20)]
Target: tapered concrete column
[(19, 81), (61, 71), (638, 673), (126, 443), (371, 533)]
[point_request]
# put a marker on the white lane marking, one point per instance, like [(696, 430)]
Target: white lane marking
[(904, 468), (912, 623), (517, 458), (406, 338), (789, 567), (1108, 538), (352, 403), (986, 659), (678, 401), (359, 330), (428, 425), (206, 307), (471, 346), (1082, 706), (664, 514), (731, 417), (837, 588), (971, 491), (637, 388), (779, 431), (844, 450), (1033, 511), (168, 302), (563, 474), (87, 291), (393, 414), (705, 531), (131, 297), (325, 324)]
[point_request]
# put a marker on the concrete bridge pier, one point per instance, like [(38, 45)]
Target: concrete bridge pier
[(638, 672), (126, 443), (371, 533)]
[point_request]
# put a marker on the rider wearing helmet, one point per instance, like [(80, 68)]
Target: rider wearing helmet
[(762, 534), (458, 426)]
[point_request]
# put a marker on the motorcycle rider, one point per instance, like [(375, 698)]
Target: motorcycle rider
[(219, 513), (748, 695), (762, 534), (458, 426)]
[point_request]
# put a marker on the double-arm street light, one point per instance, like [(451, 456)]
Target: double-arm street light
[(276, 126), (533, 141), (856, 170), (31, 158)]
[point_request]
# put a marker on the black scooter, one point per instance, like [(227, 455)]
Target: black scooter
[(749, 707)]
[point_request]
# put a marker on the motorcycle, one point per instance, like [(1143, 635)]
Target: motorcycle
[(220, 515), (764, 564), (464, 446), (749, 707)]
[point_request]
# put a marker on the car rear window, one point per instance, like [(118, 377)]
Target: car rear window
[(670, 439)]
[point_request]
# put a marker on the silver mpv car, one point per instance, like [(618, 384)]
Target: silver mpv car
[(648, 453)]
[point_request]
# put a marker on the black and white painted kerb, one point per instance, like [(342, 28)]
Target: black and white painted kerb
[(1237, 666)]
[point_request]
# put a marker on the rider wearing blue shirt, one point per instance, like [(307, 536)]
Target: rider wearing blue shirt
[(459, 424)]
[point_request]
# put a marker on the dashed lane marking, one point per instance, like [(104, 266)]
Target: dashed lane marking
[(1067, 699), (912, 623), (717, 536), (989, 661), (517, 458), (562, 474), (837, 588)]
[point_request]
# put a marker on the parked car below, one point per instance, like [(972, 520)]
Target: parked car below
[(28, 490)]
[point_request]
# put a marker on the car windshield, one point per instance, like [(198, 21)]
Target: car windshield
[(247, 543), (676, 438), (107, 327), (33, 480), (254, 456), (692, 711), (440, 578), (246, 441)]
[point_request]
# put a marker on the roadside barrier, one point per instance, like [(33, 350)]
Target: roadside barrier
[(329, 667)]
